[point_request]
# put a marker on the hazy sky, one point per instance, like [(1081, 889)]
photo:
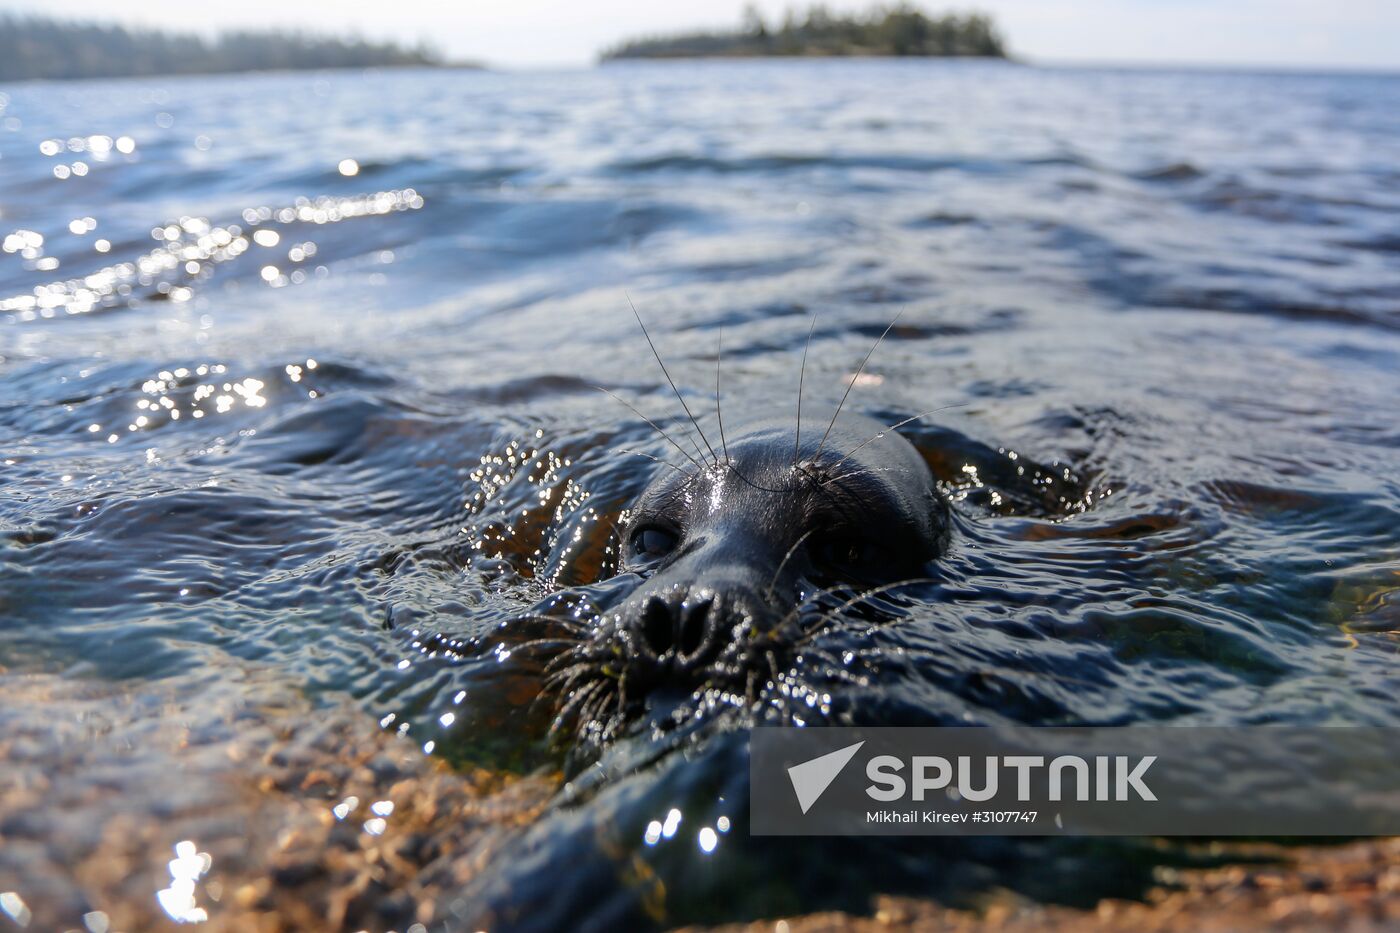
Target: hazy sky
[(524, 33)]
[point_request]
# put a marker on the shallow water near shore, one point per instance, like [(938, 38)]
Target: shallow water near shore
[(303, 425)]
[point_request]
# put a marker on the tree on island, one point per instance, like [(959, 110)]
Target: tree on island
[(903, 30), (35, 47)]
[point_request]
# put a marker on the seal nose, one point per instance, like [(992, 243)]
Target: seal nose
[(679, 629)]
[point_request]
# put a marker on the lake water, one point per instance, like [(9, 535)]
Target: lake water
[(278, 425)]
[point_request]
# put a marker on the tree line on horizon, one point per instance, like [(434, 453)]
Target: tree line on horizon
[(37, 47), (901, 30)]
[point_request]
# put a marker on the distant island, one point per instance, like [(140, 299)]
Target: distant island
[(900, 30), (36, 47)]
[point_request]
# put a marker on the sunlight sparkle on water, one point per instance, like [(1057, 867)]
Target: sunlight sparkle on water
[(178, 900), (14, 907), (190, 252)]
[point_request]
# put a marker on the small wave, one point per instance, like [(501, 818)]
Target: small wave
[(1175, 171), (786, 162)]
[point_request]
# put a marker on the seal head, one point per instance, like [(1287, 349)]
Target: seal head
[(727, 553)]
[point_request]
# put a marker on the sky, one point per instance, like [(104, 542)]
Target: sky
[(542, 33)]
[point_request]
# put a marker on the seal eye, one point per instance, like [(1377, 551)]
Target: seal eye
[(847, 555), (651, 542)]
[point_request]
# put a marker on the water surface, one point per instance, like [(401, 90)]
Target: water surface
[(263, 409)]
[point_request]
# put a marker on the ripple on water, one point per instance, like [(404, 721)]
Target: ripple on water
[(300, 541)]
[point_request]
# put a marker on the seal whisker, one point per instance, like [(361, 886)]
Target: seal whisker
[(724, 598), (594, 702), (792, 614), (561, 675), (665, 463), (831, 615), (624, 698), (871, 593), (855, 493), (617, 532), (834, 668), (575, 703), (537, 643), (855, 379), (667, 374), (574, 676), (561, 666), (783, 563), (578, 701), (565, 621), (749, 482), (851, 474), (894, 427), (801, 379), (719, 411), (654, 425), (564, 685)]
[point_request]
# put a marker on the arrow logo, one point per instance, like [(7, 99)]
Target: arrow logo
[(811, 778)]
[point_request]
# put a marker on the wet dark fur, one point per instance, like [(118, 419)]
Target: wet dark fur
[(734, 559), (728, 556)]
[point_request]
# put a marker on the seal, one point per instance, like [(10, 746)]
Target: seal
[(726, 555)]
